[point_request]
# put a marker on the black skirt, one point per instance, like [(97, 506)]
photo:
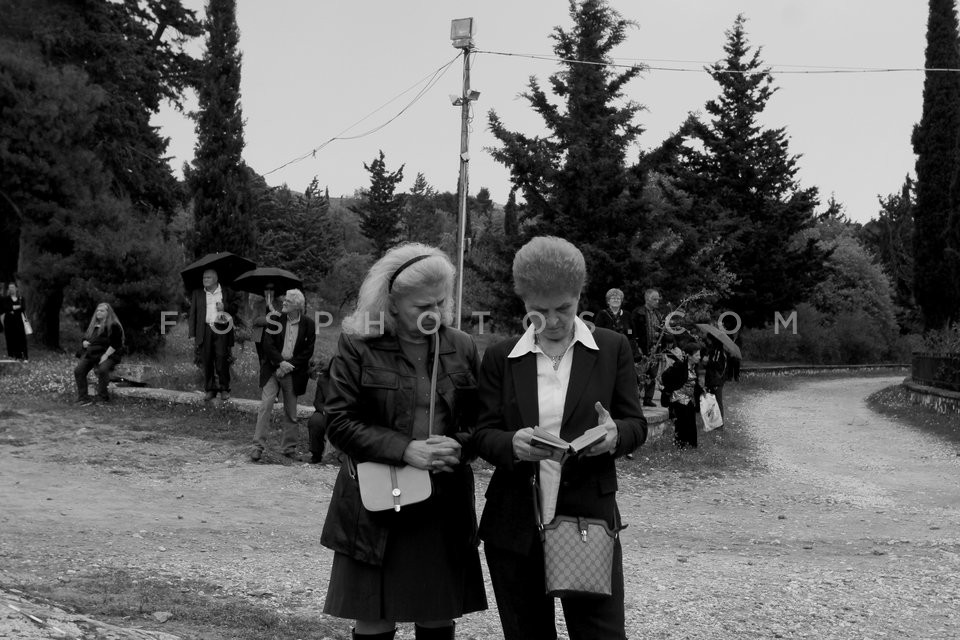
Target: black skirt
[(429, 572)]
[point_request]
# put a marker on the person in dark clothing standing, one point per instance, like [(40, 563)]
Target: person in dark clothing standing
[(683, 380), (615, 319), (647, 323), (101, 349), (14, 307), (212, 312)]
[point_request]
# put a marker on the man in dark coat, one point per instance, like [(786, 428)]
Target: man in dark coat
[(647, 324), (288, 343), (213, 311)]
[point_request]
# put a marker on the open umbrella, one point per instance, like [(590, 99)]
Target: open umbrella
[(728, 345), (256, 280), (227, 265)]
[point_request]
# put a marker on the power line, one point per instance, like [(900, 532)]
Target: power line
[(431, 79), (792, 69)]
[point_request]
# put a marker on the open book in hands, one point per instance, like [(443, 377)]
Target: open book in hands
[(560, 449)]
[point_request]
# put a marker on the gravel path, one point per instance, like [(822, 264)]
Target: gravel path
[(849, 530)]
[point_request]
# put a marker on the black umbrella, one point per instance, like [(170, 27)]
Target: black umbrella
[(256, 280), (728, 345), (227, 265)]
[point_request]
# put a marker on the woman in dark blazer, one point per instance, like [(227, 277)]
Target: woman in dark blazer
[(14, 308), (562, 378)]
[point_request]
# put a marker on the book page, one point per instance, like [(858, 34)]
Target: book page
[(589, 438)]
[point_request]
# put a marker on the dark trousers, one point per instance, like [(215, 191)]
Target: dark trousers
[(317, 430), (684, 425), (527, 613), (103, 375), (651, 386), (214, 353)]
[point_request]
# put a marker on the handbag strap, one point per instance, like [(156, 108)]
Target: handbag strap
[(433, 379), (534, 484)]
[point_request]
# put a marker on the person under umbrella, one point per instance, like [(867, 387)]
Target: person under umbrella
[(264, 283), (213, 308)]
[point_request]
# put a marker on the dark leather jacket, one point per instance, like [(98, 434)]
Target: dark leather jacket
[(371, 407)]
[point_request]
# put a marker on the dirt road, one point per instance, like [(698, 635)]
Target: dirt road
[(849, 528)]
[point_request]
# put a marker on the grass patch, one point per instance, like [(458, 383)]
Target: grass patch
[(199, 609), (895, 403)]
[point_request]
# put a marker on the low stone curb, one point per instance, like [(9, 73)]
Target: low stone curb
[(196, 398), (940, 400)]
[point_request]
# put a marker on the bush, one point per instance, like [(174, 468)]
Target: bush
[(851, 337), (946, 340)]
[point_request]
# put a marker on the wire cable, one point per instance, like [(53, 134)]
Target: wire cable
[(793, 69), (431, 79)]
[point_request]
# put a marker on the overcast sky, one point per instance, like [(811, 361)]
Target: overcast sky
[(313, 68)]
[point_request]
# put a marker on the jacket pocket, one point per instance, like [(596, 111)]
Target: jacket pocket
[(378, 378)]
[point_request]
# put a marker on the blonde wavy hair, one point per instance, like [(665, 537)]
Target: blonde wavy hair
[(110, 320), (372, 317), (548, 265)]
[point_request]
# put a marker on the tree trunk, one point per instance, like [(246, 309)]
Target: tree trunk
[(44, 309)]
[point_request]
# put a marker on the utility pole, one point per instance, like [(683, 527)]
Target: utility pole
[(461, 33)]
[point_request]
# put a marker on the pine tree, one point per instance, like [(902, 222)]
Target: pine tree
[(381, 213), (219, 181), (935, 144), (420, 219), (296, 231), (79, 88), (575, 181), (889, 237), (745, 190)]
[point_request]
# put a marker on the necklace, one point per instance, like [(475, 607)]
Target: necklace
[(556, 360)]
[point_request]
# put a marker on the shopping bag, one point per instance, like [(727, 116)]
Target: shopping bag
[(710, 412), (27, 327)]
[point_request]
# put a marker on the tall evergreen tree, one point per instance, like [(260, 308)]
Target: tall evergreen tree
[(889, 237), (743, 182), (296, 231), (133, 50), (218, 180), (935, 144), (381, 213), (80, 159), (575, 181)]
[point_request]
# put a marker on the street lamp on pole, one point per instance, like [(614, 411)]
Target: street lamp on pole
[(461, 33)]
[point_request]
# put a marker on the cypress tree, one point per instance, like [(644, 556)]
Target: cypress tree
[(935, 144), (382, 213), (219, 181)]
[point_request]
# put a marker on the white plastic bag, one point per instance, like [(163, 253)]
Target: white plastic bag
[(710, 412)]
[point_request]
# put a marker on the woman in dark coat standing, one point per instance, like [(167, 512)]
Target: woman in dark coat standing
[(14, 308), (563, 378), (420, 564)]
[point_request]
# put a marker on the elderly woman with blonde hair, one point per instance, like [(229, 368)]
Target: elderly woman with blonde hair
[(420, 564), (562, 378)]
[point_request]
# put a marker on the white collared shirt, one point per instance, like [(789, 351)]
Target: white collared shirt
[(290, 337), (212, 299), (551, 395)]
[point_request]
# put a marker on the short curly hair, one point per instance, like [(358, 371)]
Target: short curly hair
[(548, 265)]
